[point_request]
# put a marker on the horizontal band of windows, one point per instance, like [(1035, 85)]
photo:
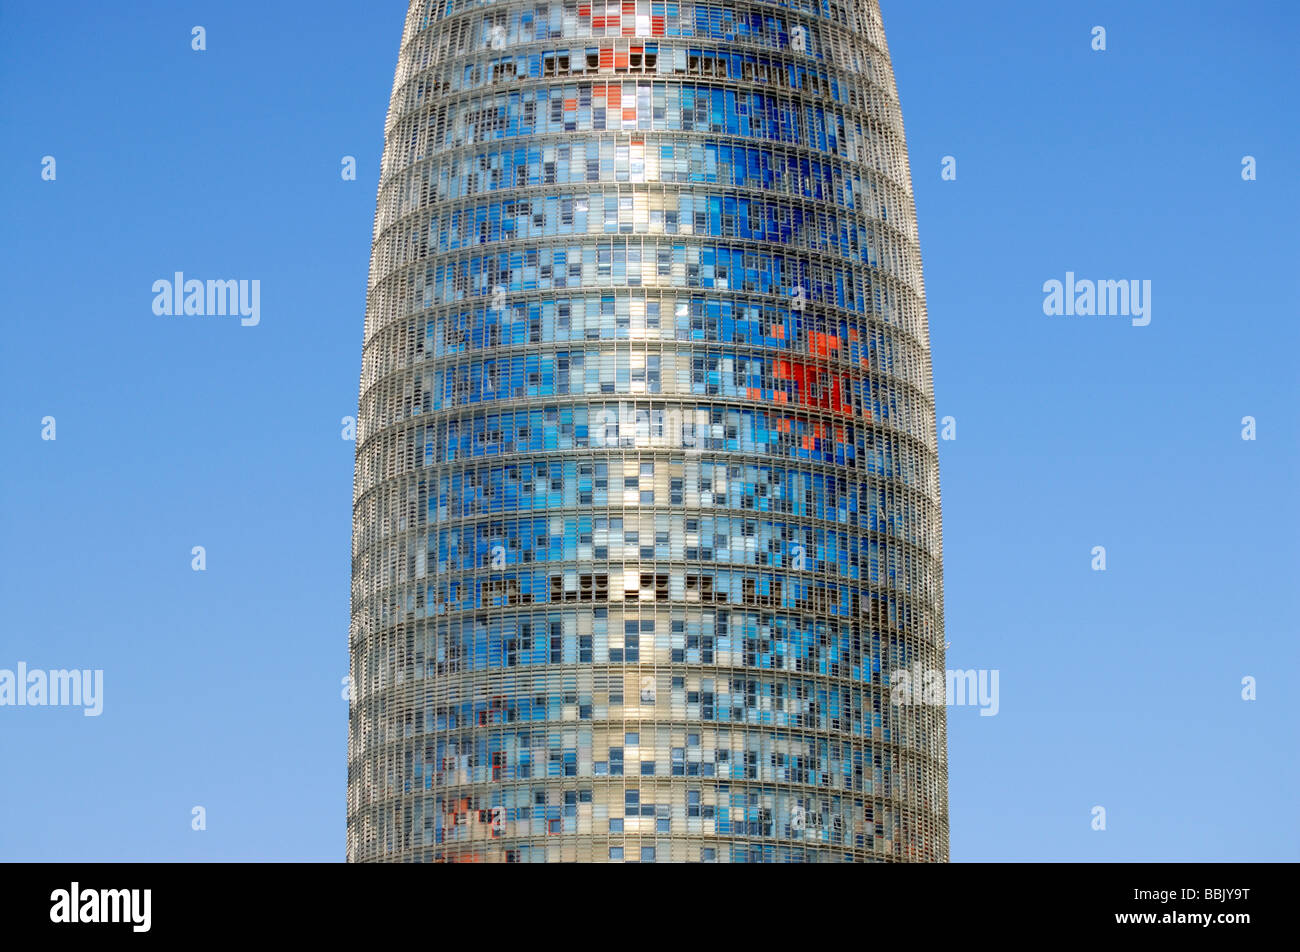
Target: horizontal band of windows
[(460, 27), (857, 135), (649, 263), (724, 315), (559, 161), (744, 430), (743, 63)]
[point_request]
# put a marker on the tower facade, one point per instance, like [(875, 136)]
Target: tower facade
[(647, 498)]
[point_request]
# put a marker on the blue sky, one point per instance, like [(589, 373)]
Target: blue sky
[(222, 688)]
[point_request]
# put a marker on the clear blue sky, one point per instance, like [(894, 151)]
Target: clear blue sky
[(222, 688)]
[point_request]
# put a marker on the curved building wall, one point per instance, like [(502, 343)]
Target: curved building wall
[(646, 497)]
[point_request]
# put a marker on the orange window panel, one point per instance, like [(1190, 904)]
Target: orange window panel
[(823, 344)]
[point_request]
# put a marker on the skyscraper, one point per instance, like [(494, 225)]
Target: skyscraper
[(646, 499)]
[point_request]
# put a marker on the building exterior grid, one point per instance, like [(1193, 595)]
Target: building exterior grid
[(646, 507)]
